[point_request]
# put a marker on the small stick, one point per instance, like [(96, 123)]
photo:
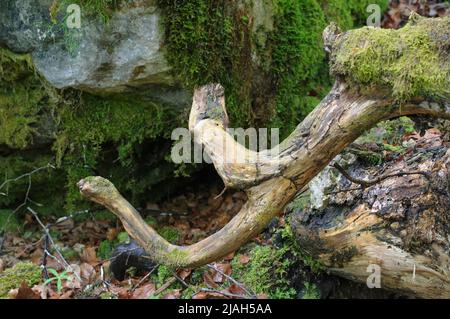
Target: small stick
[(368, 183), (237, 283), (47, 234), (166, 285), (144, 278)]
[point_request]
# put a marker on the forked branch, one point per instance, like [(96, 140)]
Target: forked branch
[(272, 179)]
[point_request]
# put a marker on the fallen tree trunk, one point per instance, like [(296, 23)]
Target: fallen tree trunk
[(376, 80), (400, 224)]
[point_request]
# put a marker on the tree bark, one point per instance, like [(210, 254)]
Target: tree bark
[(271, 179), (399, 225)]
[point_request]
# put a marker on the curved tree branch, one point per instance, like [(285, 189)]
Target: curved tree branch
[(270, 179)]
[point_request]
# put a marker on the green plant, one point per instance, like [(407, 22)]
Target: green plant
[(58, 277), (310, 291)]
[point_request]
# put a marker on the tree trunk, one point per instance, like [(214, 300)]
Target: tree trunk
[(399, 225)]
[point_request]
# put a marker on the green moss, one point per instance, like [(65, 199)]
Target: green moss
[(162, 274), (408, 62), (105, 249), (350, 13), (266, 272), (120, 124), (171, 234), (23, 97), (297, 61), (123, 238), (389, 132), (108, 295), (9, 222), (102, 9), (13, 277), (286, 73)]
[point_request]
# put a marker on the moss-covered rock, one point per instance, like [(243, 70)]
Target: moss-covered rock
[(277, 43), (126, 136), (12, 278)]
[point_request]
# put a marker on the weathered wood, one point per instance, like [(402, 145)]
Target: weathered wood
[(272, 179), (400, 225)]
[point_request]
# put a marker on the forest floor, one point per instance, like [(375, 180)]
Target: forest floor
[(70, 257), (81, 249)]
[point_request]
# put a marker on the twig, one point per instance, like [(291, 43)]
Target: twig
[(44, 257), (368, 183), (27, 194), (144, 278), (185, 285), (221, 193), (166, 285), (49, 237), (237, 283), (7, 181)]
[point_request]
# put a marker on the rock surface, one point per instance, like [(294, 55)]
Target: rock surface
[(100, 57)]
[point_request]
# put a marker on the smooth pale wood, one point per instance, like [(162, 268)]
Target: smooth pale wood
[(335, 123), (270, 180)]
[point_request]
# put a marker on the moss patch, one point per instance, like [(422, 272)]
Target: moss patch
[(351, 13), (266, 272), (286, 73), (23, 98), (13, 277), (412, 61)]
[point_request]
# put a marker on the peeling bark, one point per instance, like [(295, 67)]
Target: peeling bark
[(400, 224)]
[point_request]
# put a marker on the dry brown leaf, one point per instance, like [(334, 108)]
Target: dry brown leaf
[(87, 272), (144, 292), (89, 255), (244, 259), (209, 295), (36, 256), (236, 290), (209, 280), (230, 256), (67, 295), (174, 294), (25, 292), (111, 234), (184, 273), (224, 268)]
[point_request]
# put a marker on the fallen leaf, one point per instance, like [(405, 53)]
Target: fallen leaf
[(25, 292), (174, 294), (224, 268), (144, 292), (67, 295), (230, 256), (111, 234), (87, 272), (237, 290), (89, 255), (209, 295), (209, 280), (184, 273), (244, 259)]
